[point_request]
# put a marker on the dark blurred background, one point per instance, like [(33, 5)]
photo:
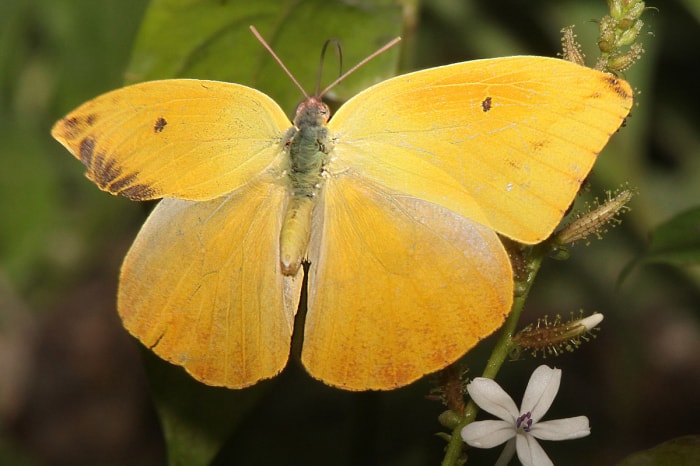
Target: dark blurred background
[(72, 387)]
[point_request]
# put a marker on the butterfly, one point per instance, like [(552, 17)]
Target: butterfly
[(395, 203)]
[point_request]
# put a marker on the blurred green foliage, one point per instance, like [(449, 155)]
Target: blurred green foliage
[(637, 382)]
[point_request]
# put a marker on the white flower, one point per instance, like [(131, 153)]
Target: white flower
[(520, 429)]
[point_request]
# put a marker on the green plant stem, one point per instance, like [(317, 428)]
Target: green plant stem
[(499, 354)]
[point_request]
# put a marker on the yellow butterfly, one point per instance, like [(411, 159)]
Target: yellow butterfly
[(395, 202)]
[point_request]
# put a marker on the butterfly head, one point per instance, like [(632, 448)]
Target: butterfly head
[(312, 112)]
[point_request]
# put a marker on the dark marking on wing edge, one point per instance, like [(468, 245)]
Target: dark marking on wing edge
[(123, 184), (159, 125), (71, 128), (74, 126), (104, 171), (109, 177), (106, 174), (486, 104), (140, 192), (87, 150), (614, 84)]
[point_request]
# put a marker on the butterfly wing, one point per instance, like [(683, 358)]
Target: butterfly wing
[(505, 142), (202, 287), (398, 287), (181, 138)]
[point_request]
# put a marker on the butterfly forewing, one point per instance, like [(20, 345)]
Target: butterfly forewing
[(505, 142), (189, 139)]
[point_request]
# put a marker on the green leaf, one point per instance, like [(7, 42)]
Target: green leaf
[(681, 451), (196, 419), (676, 242), (208, 39)]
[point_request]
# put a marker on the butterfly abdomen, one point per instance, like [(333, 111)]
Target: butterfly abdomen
[(308, 148)]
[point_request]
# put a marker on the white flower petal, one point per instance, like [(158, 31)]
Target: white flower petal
[(506, 454), (591, 321), (562, 429), (487, 434), (492, 398), (530, 453), (540, 392)]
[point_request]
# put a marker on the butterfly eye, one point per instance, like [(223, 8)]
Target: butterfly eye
[(324, 111)]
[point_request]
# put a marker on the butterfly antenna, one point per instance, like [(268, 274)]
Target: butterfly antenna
[(274, 55), (338, 47), (378, 52)]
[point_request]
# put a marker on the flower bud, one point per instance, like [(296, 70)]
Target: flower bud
[(571, 48), (554, 338), (622, 61), (595, 221), (630, 35)]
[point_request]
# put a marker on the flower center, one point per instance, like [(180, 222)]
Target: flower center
[(524, 422)]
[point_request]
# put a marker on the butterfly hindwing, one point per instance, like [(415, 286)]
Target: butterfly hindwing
[(202, 287), (398, 287)]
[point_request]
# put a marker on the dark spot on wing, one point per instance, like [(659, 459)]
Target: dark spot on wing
[(87, 149), (159, 125), (486, 104), (91, 119), (515, 164), (538, 145)]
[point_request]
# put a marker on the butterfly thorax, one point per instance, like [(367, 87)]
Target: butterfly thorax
[(307, 146)]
